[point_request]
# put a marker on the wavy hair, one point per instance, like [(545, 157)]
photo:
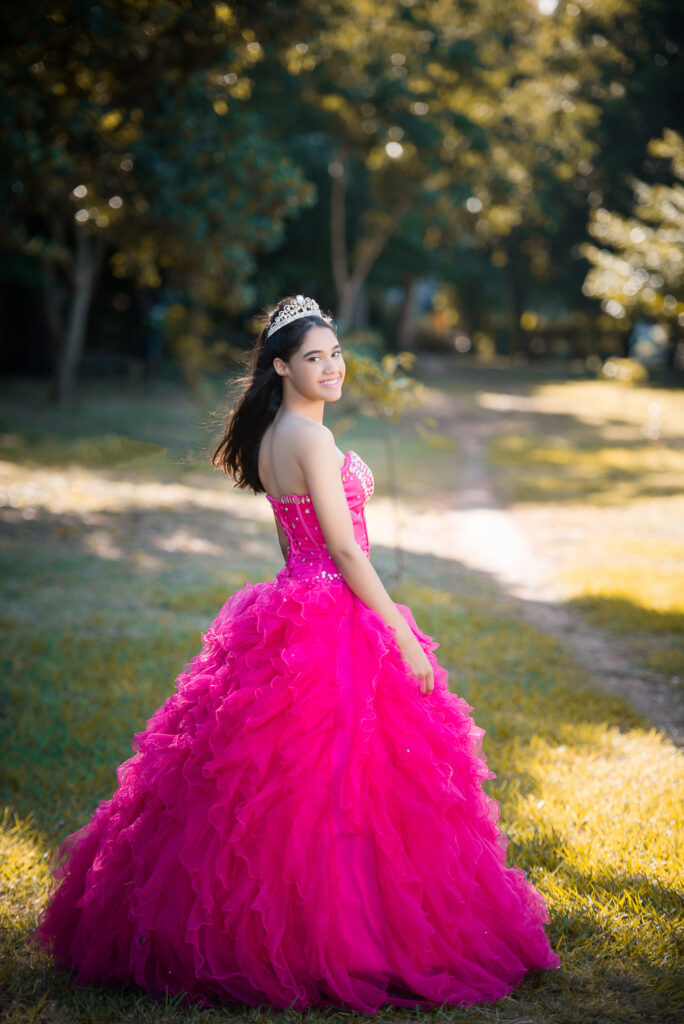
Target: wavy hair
[(237, 452)]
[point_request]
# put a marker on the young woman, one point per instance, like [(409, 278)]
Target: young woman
[(303, 821)]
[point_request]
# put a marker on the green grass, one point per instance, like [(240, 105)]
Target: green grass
[(588, 441), (34, 449), (584, 447), (426, 460), (591, 801), (590, 794), (554, 469), (642, 605)]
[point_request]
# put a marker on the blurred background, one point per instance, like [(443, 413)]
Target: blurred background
[(481, 180), (488, 197)]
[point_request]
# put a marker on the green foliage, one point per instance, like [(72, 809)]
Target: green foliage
[(640, 263), (381, 387), (186, 136), (623, 370), (134, 121)]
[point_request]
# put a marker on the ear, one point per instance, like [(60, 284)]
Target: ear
[(280, 366)]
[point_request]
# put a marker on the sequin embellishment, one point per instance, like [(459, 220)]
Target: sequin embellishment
[(358, 468), (308, 558)]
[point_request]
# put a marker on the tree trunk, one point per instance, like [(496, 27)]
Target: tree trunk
[(86, 269), (53, 311), (345, 306), (338, 228), (361, 318), (516, 299), (676, 337), (194, 356), (369, 249), (404, 333), (53, 295)]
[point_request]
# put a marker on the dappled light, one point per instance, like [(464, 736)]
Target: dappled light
[(485, 202), (112, 571), (552, 470)]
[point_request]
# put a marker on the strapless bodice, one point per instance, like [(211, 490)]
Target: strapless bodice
[(308, 555)]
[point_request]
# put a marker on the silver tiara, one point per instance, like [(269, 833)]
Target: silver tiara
[(299, 306)]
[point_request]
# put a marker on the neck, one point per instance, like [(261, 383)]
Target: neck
[(295, 403)]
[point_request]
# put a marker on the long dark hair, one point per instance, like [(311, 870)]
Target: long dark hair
[(237, 452)]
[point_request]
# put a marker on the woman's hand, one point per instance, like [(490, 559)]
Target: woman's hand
[(416, 659)]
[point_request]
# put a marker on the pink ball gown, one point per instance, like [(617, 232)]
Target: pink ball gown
[(299, 825)]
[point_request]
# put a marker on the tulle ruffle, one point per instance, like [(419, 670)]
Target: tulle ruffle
[(299, 825)]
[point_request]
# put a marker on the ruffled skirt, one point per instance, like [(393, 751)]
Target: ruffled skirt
[(298, 826)]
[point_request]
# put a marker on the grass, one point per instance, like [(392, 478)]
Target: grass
[(555, 469), (590, 800), (568, 761), (35, 449), (588, 441), (580, 452), (425, 458), (639, 597), (102, 611)]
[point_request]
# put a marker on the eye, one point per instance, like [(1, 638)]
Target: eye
[(313, 359)]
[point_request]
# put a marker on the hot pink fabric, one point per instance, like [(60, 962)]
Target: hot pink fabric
[(299, 825)]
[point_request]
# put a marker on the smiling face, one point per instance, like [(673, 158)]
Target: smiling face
[(316, 370)]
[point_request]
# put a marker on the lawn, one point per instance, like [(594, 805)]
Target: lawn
[(595, 470), (118, 549)]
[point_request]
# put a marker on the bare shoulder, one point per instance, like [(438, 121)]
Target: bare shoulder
[(300, 425), (311, 440)]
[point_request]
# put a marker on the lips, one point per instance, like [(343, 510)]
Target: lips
[(332, 382)]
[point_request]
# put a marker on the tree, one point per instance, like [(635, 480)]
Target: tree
[(537, 99), (126, 131), (639, 264), (453, 125)]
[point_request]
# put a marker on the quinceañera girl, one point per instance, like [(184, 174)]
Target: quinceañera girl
[(303, 820)]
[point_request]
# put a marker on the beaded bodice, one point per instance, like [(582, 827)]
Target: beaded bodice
[(307, 555)]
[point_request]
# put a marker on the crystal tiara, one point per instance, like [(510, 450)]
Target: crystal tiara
[(299, 306)]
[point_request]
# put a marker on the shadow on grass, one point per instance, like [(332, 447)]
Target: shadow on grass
[(620, 615), (152, 538), (74, 698), (88, 451), (77, 699), (546, 460), (635, 968)]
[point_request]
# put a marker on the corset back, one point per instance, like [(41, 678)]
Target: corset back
[(308, 555)]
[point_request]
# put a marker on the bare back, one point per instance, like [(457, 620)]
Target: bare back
[(279, 462)]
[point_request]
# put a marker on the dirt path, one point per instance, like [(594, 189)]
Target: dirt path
[(481, 534), (153, 525)]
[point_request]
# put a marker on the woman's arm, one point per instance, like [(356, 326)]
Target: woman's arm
[(319, 463)]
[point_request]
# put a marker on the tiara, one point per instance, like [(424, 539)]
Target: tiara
[(298, 307)]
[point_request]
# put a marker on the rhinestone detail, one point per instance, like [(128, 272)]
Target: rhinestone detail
[(294, 499), (358, 468), (300, 306), (308, 559)]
